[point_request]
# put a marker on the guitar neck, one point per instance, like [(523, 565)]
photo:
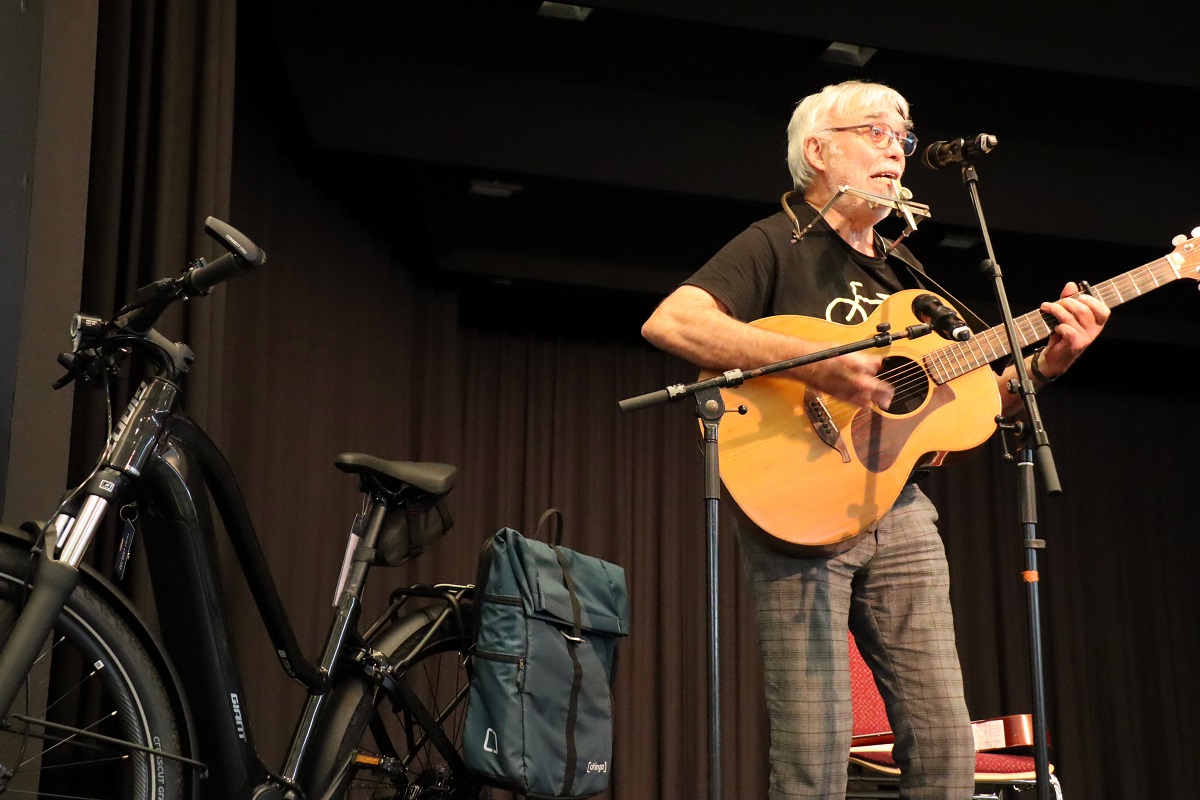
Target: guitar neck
[(983, 348)]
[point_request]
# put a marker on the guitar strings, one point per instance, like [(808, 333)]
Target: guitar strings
[(913, 379), (907, 382)]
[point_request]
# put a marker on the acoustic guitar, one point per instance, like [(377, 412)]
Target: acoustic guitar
[(812, 471)]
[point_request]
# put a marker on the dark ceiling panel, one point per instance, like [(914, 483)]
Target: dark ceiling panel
[(1149, 42), (644, 137)]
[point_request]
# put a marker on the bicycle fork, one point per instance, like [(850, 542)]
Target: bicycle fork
[(53, 583), (72, 530)]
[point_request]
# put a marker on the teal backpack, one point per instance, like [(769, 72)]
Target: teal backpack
[(539, 713)]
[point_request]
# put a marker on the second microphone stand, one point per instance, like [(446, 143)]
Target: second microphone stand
[(710, 407), (1038, 448)]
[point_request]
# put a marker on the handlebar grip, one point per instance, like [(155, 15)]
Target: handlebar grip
[(235, 241), (201, 279), (243, 256)]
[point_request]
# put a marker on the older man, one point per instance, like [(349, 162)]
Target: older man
[(889, 584)]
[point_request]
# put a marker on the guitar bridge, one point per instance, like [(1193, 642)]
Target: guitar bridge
[(823, 424)]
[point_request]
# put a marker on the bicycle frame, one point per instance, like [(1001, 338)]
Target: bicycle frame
[(189, 596), (170, 467), (160, 459), (187, 586)]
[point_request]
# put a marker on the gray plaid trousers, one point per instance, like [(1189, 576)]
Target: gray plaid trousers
[(892, 590)]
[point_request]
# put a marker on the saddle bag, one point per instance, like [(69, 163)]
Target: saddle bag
[(539, 714)]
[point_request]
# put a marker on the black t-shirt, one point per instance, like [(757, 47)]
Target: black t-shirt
[(763, 273)]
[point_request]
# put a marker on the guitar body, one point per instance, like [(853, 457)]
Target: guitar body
[(812, 471)]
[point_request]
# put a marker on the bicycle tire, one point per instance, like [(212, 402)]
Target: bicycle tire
[(94, 675), (371, 721)]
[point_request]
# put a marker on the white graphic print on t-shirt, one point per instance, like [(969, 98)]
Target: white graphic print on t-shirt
[(849, 310)]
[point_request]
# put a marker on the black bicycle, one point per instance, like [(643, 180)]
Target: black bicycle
[(96, 706)]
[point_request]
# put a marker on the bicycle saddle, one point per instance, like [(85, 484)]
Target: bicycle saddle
[(425, 475)]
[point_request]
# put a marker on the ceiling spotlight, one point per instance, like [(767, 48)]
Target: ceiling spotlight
[(852, 55), (484, 188), (564, 11)]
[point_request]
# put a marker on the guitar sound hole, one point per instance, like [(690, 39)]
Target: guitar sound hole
[(910, 382)]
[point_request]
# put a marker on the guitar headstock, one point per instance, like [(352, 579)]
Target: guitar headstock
[(1186, 255)]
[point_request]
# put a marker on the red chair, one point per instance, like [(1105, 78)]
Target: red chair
[(873, 771)]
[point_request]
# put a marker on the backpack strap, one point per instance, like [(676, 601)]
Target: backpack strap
[(555, 537), (573, 641)]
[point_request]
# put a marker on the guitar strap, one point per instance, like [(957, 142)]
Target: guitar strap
[(920, 274), (887, 246)]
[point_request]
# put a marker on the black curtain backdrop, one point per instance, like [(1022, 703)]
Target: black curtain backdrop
[(348, 340), (162, 142)]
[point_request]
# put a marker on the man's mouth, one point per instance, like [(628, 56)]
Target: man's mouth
[(886, 177)]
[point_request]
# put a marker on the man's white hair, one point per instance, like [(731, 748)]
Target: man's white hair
[(814, 113)]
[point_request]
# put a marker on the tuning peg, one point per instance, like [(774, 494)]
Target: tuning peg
[(1178, 240)]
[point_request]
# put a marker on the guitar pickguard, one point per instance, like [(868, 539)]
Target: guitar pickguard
[(877, 451)]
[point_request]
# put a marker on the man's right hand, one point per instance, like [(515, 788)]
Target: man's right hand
[(852, 377)]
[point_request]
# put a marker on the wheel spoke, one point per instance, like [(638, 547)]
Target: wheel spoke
[(71, 738), (85, 762), (68, 692), (90, 707), (58, 796)]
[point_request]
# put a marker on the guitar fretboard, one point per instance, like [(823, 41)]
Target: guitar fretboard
[(983, 348)]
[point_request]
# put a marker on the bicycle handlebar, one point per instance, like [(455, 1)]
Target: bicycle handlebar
[(135, 321), (151, 300)]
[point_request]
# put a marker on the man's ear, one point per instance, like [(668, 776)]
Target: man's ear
[(817, 153)]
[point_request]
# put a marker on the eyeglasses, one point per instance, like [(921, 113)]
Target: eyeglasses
[(882, 136)]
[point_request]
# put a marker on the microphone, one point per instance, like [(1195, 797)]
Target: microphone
[(944, 319), (957, 151)]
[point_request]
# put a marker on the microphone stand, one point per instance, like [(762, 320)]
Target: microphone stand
[(1026, 491), (710, 407)]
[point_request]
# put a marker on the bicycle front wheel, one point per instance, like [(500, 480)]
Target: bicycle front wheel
[(388, 748), (93, 698)]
